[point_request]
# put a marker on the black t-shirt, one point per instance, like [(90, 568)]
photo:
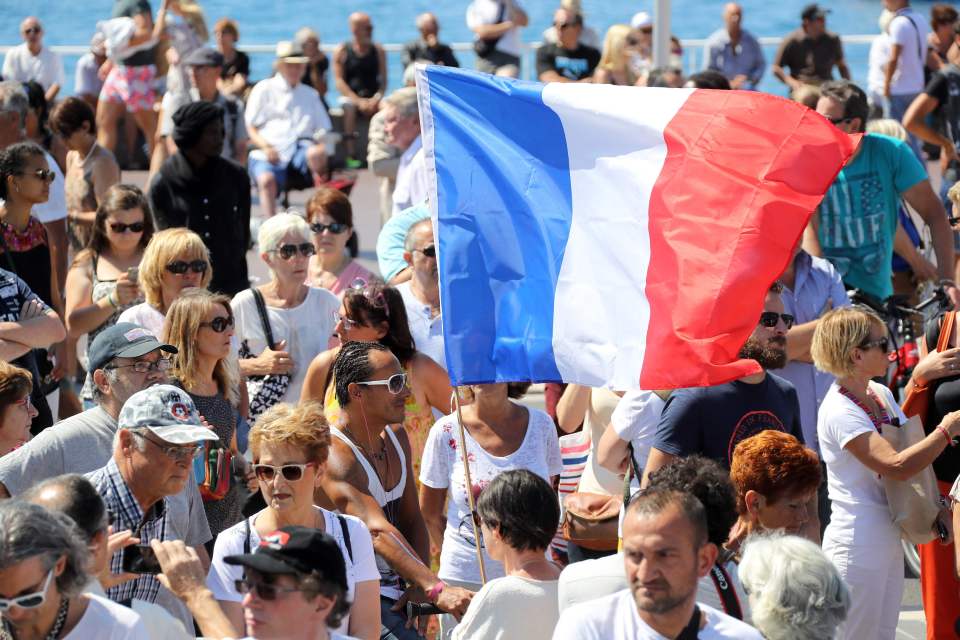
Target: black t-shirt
[(944, 87), (240, 64), (944, 399), (710, 421), (573, 64)]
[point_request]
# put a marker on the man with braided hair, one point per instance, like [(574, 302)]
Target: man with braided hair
[(370, 476)]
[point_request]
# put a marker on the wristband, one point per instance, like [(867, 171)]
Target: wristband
[(112, 299), (946, 434), (435, 591)]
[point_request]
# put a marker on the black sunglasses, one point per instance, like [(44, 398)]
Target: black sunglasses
[(564, 25), (883, 343), (836, 121), (263, 590), (119, 227), (287, 251), (430, 251), (219, 324), (333, 227), (47, 175), (180, 267), (769, 319)]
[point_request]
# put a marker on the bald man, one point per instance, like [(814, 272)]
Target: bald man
[(428, 47), (32, 61), (360, 74), (735, 52)]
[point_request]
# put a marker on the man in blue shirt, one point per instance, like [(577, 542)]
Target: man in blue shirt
[(735, 52), (855, 224)]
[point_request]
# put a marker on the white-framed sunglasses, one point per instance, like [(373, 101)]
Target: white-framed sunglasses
[(29, 600), (395, 384)]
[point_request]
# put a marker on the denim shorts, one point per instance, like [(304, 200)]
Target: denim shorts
[(298, 163)]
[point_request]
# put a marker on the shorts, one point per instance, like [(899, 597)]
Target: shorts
[(132, 86), (298, 163), (497, 60)]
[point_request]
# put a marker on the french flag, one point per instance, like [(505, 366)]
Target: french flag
[(613, 236)]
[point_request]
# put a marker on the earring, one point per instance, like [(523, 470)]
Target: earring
[(16, 185)]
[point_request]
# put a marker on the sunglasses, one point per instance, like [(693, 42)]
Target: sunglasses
[(47, 175), (429, 251), (30, 600), (632, 42), (33, 30), (264, 591), (219, 324), (883, 343), (348, 324), (563, 25), (769, 319), (372, 293), (290, 472), (646, 30), (133, 227), (180, 267), (145, 366), (837, 121), (287, 251), (333, 227), (395, 384), (177, 453)]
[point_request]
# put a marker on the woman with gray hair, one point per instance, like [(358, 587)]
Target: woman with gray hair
[(284, 323), (795, 591), (42, 573)]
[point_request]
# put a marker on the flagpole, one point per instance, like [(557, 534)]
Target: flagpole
[(466, 475)]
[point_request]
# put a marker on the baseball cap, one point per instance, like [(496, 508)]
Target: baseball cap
[(296, 550), (204, 57), (123, 340), (640, 20), (813, 12), (168, 412), (291, 52)]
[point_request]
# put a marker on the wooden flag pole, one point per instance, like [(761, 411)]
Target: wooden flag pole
[(466, 475)]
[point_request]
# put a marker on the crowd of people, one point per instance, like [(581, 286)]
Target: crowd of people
[(184, 453)]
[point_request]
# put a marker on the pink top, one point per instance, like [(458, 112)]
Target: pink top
[(351, 272)]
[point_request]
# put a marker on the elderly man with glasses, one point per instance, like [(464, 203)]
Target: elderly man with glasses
[(160, 432), (32, 61), (421, 293)]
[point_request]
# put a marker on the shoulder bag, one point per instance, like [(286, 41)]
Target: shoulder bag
[(483, 47), (917, 403), (263, 391)]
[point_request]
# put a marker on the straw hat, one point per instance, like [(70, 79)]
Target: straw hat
[(289, 52)]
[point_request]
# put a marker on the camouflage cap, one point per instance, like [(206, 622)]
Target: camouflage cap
[(168, 412)]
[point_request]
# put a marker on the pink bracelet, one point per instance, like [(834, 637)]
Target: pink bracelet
[(435, 591), (946, 434)]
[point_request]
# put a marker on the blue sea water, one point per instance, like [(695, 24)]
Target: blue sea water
[(73, 22)]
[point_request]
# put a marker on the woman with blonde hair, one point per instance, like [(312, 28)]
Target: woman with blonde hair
[(614, 66), (290, 444), (16, 410), (851, 343), (200, 325), (174, 260)]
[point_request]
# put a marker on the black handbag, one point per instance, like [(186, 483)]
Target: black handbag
[(263, 391), (483, 47)]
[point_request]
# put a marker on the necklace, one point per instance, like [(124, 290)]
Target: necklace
[(380, 455), (7, 634)]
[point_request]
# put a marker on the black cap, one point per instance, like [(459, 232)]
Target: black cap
[(204, 57), (296, 550), (814, 12), (123, 340)]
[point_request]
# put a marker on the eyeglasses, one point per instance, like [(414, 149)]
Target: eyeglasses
[(883, 343), (180, 267), (145, 366), (632, 42), (646, 30), (395, 384), (24, 402), (429, 251), (133, 227), (47, 175), (176, 453), (287, 251), (290, 472), (837, 121), (263, 590), (219, 324), (32, 30), (564, 25), (333, 227), (769, 319), (29, 600), (348, 324)]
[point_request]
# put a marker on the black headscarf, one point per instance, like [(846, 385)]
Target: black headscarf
[(190, 120)]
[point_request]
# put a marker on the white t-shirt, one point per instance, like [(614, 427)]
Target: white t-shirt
[(481, 12), (511, 607), (615, 617), (362, 568), (106, 620), (46, 68), (441, 467), (635, 421), (160, 623), (411, 185), (306, 328), (909, 29), (55, 208), (427, 330), (877, 61), (283, 114), (146, 316)]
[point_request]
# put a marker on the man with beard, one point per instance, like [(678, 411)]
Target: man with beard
[(710, 421), (665, 553)]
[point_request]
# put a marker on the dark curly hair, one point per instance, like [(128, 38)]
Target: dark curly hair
[(522, 507), (374, 303), (775, 465), (14, 159), (710, 484)]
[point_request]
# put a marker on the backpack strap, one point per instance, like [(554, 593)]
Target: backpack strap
[(346, 535), (246, 537)]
